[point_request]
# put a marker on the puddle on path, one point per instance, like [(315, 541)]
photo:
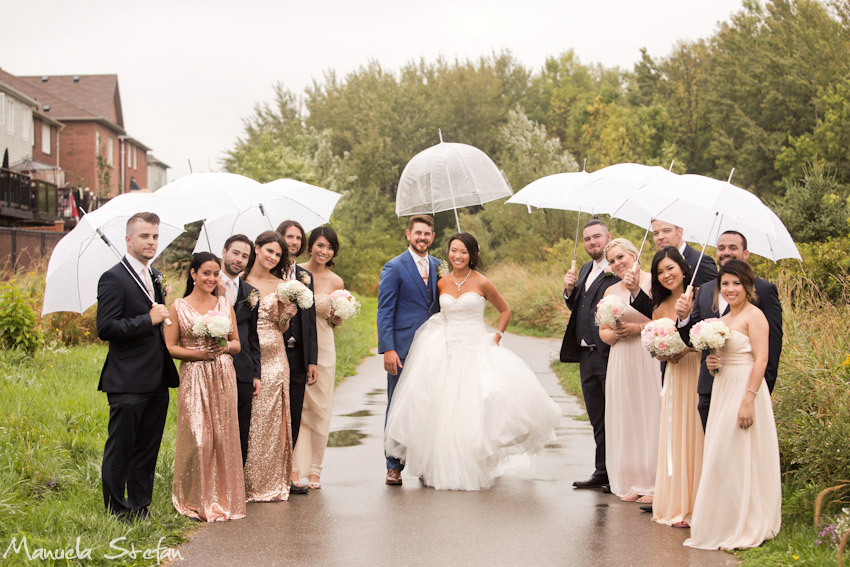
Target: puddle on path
[(345, 438), (361, 413)]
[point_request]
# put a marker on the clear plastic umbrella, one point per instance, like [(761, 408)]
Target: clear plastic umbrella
[(449, 176)]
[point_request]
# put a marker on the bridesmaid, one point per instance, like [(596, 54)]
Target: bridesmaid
[(739, 501), (208, 482), (681, 443), (323, 247), (269, 463), (632, 387)]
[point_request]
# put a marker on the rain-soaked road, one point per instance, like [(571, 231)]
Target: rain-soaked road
[(529, 518)]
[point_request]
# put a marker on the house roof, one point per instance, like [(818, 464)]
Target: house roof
[(96, 94), (154, 161), (9, 89)]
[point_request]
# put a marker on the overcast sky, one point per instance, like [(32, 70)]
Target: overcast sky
[(189, 71)]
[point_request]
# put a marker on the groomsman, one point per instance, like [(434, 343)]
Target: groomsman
[(731, 245), (245, 300), (302, 346), (666, 234), (137, 372), (582, 291)]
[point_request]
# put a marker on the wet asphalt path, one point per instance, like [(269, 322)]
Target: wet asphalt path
[(528, 518)]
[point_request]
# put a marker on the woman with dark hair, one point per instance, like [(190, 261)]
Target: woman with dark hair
[(739, 500), (323, 247), (680, 438), (631, 388), (269, 463), (465, 404), (208, 482)]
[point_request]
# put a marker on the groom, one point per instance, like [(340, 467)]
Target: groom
[(407, 297)]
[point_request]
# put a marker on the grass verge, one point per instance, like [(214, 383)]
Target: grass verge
[(568, 376), (355, 338)]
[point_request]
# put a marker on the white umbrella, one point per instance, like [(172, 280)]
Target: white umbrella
[(280, 200), (607, 188), (82, 255), (448, 176), (214, 194)]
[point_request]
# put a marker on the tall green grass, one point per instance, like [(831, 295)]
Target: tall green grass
[(355, 338)]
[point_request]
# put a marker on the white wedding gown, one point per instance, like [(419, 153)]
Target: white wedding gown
[(463, 404)]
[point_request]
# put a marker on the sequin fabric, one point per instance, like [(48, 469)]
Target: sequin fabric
[(269, 464), (208, 480)]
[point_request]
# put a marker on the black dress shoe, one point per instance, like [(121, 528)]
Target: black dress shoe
[(647, 508), (297, 489), (596, 481), (606, 488)]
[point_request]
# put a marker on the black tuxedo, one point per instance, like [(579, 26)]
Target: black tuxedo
[(768, 302), (302, 327), (707, 268), (136, 376), (247, 361), (593, 362)]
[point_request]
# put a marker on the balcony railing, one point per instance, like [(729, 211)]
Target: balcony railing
[(24, 198)]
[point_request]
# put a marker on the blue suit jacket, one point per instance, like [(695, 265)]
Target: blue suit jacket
[(404, 302)]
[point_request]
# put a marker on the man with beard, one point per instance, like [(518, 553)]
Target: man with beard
[(407, 297), (245, 299), (582, 291)]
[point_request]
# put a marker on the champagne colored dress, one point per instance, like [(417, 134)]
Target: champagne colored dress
[(739, 500), (269, 463), (318, 399), (208, 483), (680, 442), (632, 412)]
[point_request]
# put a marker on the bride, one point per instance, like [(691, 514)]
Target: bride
[(466, 404)]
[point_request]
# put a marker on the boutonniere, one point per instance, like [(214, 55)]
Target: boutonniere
[(443, 269), (163, 283), (306, 279), (253, 299), (607, 272)]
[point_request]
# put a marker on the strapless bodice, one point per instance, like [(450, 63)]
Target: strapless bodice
[(737, 350), (464, 318)]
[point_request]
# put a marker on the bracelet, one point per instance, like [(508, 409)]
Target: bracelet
[(500, 333), (752, 392), (228, 349)]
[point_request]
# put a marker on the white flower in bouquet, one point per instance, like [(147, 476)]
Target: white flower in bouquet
[(610, 309), (344, 305), (214, 324), (661, 338), (709, 334), (296, 292)]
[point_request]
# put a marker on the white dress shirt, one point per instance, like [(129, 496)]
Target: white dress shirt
[(422, 264), (144, 274)]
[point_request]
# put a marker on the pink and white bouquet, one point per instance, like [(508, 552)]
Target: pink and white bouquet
[(709, 333), (661, 338), (215, 325), (296, 292), (610, 309), (343, 304)]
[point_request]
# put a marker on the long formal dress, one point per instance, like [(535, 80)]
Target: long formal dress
[(464, 404), (318, 399), (269, 464), (632, 412), (208, 482), (739, 500), (680, 442)]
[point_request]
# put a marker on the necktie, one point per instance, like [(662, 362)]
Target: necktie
[(146, 277), (591, 277), (423, 269), (230, 291)]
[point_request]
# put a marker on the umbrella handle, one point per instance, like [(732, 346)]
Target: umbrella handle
[(689, 291)]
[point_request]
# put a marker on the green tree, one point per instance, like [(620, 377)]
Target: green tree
[(816, 209)]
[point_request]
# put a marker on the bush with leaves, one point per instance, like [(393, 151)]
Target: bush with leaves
[(18, 321), (816, 208)]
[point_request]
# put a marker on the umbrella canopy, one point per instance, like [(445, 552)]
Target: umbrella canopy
[(706, 208), (81, 256), (448, 176), (558, 191), (282, 199), (214, 194), (607, 188)]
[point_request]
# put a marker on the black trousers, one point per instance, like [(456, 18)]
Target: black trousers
[(297, 386), (136, 422), (592, 369), (245, 400), (702, 407)]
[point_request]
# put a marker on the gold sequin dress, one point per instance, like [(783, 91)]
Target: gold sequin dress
[(208, 482), (269, 464), (318, 399)]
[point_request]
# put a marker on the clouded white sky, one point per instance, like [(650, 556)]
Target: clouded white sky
[(189, 71)]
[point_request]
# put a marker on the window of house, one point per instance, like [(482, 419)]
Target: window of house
[(10, 121), (2, 109), (45, 138), (26, 124), (110, 151), (135, 158)]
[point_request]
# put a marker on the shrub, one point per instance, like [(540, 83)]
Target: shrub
[(18, 321)]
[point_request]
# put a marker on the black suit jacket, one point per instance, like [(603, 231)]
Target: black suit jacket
[(303, 324), (137, 361), (570, 348), (768, 302), (707, 268), (247, 361)]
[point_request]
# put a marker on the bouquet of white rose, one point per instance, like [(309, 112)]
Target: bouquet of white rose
[(296, 292), (610, 309), (709, 333), (343, 304), (661, 338), (215, 325)]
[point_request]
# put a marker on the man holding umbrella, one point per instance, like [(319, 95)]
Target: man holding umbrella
[(666, 234), (137, 372)]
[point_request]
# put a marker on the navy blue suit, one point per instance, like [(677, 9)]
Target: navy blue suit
[(404, 304)]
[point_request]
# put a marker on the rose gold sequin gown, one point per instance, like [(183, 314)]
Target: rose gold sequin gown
[(208, 482), (318, 399), (269, 464)]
